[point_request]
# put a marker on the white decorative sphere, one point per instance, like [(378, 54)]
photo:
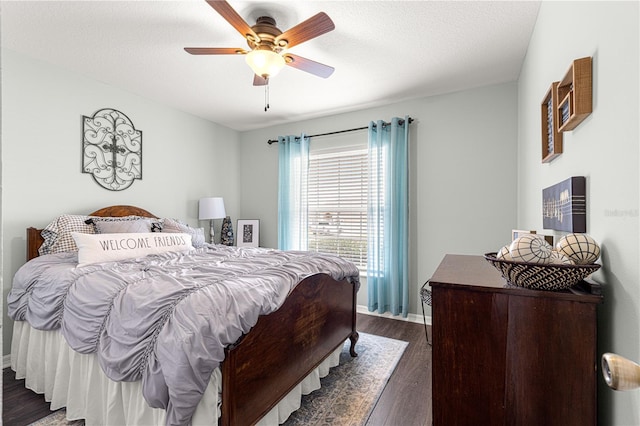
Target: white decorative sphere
[(558, 258), (530, 248), (581, 248), (504, 254)]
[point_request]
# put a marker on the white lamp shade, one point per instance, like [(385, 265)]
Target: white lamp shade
[(265, 63), (211, 208)]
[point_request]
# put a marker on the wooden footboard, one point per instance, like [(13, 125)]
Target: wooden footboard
[(285, 346)]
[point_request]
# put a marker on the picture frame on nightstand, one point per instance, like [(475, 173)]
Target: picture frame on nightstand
[(248, 233)]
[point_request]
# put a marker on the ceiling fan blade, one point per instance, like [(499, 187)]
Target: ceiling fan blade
[(306, 30), (259, 81), (229, 13), (307, 65), (215, 50)]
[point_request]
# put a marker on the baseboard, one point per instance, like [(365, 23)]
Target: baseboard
[(6, 361), (361, 309)]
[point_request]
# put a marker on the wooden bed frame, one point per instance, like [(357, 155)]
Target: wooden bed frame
[(264, 365)]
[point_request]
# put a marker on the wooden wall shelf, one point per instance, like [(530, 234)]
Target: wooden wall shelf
[(551, 137), (575, 96)]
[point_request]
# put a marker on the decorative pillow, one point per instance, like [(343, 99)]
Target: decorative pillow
[(57, 234), (174, 225), (127, 224), (97, 248)]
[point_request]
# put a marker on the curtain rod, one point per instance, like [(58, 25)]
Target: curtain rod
[(270, 141)]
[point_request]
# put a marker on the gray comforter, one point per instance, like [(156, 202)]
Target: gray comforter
[(163, 319)]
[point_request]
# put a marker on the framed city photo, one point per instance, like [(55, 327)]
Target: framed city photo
[(248, 233)]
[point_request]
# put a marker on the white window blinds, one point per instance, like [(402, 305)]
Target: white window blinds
[(337, 204)]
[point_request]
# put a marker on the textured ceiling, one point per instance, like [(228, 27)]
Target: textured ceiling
[(382, 51)]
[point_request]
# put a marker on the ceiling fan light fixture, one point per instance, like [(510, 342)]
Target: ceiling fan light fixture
[(265, 63)]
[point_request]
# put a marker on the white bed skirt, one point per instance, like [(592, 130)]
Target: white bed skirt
[(76, 381)]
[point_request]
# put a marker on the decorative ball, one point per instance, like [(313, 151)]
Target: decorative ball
[(530, 248), (558, 258), (581, 248), (504, 254)]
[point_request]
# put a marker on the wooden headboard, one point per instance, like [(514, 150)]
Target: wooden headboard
[(35, 240)]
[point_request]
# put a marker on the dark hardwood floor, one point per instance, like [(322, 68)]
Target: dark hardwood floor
[(406, 399), (20, 406)]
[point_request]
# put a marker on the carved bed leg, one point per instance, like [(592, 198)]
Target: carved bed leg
[(354, 339)]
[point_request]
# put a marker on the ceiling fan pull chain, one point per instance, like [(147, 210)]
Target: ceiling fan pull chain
[(266, 97)]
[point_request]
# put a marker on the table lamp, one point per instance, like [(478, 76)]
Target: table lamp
[(209, 209)]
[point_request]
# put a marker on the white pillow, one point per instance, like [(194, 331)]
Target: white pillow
[(174, 225), (96, 248)]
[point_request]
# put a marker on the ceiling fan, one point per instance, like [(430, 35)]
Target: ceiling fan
[(268, 44)]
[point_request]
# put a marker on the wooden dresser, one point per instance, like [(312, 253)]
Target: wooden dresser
[(504, 355)]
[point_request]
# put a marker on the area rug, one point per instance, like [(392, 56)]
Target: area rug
[(348, 394), (351, 390)]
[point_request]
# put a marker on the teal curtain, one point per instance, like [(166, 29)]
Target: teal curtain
[(293, 166), (388, 217)]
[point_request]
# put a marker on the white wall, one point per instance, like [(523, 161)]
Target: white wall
[(472, 152), (604, 148), (462, 174), (184, 157)]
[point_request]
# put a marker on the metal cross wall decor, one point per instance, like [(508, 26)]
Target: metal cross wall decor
[(111, 149)]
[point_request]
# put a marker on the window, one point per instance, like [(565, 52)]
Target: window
[(358, 217), (337, 203)]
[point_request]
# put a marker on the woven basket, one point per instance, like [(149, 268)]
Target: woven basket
[(541, 277)]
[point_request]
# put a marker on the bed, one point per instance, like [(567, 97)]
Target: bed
[(261, 371)]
